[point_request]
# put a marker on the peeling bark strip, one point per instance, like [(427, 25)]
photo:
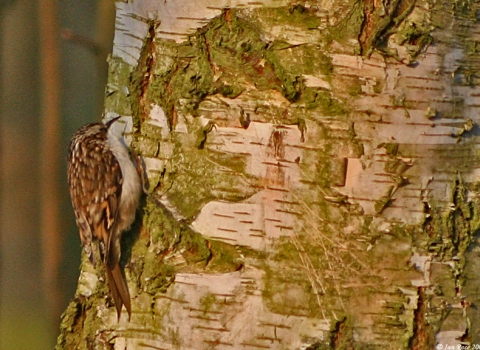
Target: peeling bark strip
[(313, 173), (144, 70), (381, 20)]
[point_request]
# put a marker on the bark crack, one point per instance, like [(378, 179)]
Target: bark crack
[(422, 332), (150, 59)]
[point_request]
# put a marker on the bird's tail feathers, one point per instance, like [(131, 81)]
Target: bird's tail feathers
[(118, 288)]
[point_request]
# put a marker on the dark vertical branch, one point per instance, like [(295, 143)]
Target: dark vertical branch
[(50, 150), (104, 33)]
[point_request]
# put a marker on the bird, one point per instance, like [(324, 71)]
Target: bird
[(105, 190)]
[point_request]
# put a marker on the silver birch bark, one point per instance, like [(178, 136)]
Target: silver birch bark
[(312, 172)]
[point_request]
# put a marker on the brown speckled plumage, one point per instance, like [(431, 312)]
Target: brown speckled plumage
[(105, 189)]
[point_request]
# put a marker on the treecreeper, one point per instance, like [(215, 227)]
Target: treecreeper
[(105, 189)]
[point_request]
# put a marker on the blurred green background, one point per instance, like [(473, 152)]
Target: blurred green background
[(52, 79)]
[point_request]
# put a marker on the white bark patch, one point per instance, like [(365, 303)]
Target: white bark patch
[(275, 164), (87, 283), (228, 309), (422, 264), (256, 225), (388, 118), (449, 339), (157, 117), (367, 180), (316, 81), (270, 213), (177, 20), (153, 166)]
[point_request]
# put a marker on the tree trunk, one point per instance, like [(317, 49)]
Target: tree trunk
[(312, 177)]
